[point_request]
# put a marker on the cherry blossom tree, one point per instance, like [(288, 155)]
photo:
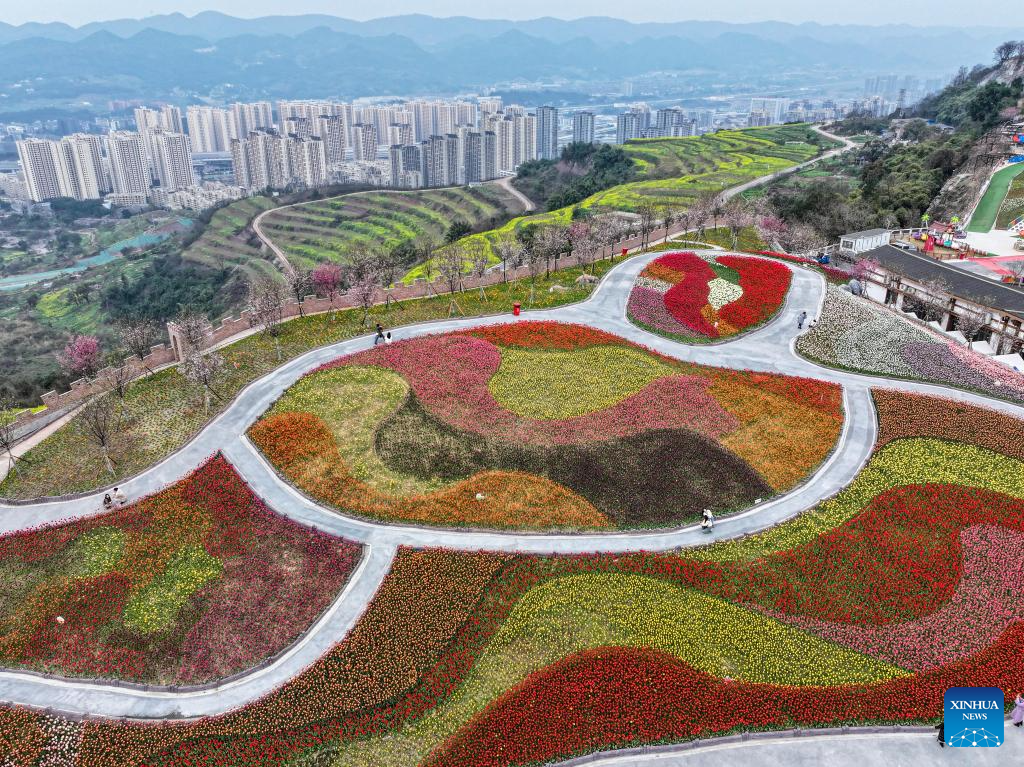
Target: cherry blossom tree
[(81, 357), (327, 281)]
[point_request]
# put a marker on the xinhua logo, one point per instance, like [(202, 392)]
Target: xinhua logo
[(973, 717)]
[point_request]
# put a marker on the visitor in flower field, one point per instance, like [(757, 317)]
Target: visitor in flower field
[(801, 320), (108, 502), (707, 520), (120, 499), (1017, 716), (941, 737), (379, 338), (387, 338)]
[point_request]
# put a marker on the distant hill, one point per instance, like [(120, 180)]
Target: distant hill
[(173, 57)]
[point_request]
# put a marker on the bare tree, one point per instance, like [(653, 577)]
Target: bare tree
[(648, 217), (300, 284), (552, 240), (536, 260), (387, 272), (193, 327), (101, 421), (736, 216), (1006, 51), (363, 280), (204, 371), (509, 249), (932, 302), (425, 247), (970, 323), (451, 264), (138, 337), (583, 240), (327, 279), (265, 303), (119, 375), (8, 433), (479, 261), (701, 210)]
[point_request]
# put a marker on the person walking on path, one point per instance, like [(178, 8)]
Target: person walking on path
[(379, 338), (941, 727), (801, 320), (1017, 715)]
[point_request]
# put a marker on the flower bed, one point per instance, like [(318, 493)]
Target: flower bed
[(689, 297), (863, 610), (543, 425), (193, 584), (856, 334)]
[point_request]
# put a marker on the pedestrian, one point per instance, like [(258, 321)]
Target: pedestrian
[(941, 737), (108, 502), (707, 520), (801, 320), (1017, 715), (119, 498), (379, 338), (387, 338)]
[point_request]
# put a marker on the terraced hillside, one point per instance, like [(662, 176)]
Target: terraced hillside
[(326, 230), (228, 240), (675, 171)]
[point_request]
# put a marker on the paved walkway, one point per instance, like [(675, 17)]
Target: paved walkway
[(903, 749), (768, 349)]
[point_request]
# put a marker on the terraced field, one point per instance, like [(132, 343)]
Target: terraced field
[(327, 230), (229, 242), (676, 171)]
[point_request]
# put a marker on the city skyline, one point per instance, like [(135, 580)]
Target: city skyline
[(868, 12)]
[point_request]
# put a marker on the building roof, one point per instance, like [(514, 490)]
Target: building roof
[(962, 284), (865, 233)]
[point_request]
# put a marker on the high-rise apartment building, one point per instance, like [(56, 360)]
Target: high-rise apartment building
[(45, 169), (307, 162), (170, 119), (129, 164), (629, 126), (172, 160), (250, 117), (406, 166), (364, 141), (211, 129), (583, 127), (83, 153), (547, 133), (334, 132)]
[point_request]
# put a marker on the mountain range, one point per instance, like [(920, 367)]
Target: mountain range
[(175, 56)]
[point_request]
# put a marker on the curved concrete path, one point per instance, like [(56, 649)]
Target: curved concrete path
[(768, 349), (808, 748)]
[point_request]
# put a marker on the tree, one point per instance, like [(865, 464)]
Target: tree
[(363, 280), (1006, 51), (81, 357), (701, 210), (327, 282), (193, 327), (583, 241), (479, 261), (119, 375), (387, 272), (457, 229), (863, 268), (138, 337), (509, 249), (736, 216), (648, 217), (101, 421), (552, 240), (8, 433), (203, 371), (970, 323), (451, 263), (265, 303), (300, 282), (772, 230), (803, 238), (535, 259)]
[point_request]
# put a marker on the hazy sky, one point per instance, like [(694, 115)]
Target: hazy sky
[(935, 12)]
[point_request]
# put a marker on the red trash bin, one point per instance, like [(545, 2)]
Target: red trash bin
[(515, 309), (625, 252)]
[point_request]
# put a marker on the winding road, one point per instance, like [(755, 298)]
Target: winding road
[(769, 349)]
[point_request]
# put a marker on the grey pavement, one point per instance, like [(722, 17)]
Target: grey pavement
[(768, 349), (854, 749)]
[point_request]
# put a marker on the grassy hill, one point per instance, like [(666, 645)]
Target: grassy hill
[(327, 230), (677, 170), (228, 240)]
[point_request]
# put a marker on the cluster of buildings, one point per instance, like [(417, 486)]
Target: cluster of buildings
[(290, 144)]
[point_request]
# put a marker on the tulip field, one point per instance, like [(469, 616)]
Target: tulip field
[(861, 610), (690, 297), (541, 425), (188, 586), (856, 334)]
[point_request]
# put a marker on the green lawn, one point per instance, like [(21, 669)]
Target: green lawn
[(985, 214)]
